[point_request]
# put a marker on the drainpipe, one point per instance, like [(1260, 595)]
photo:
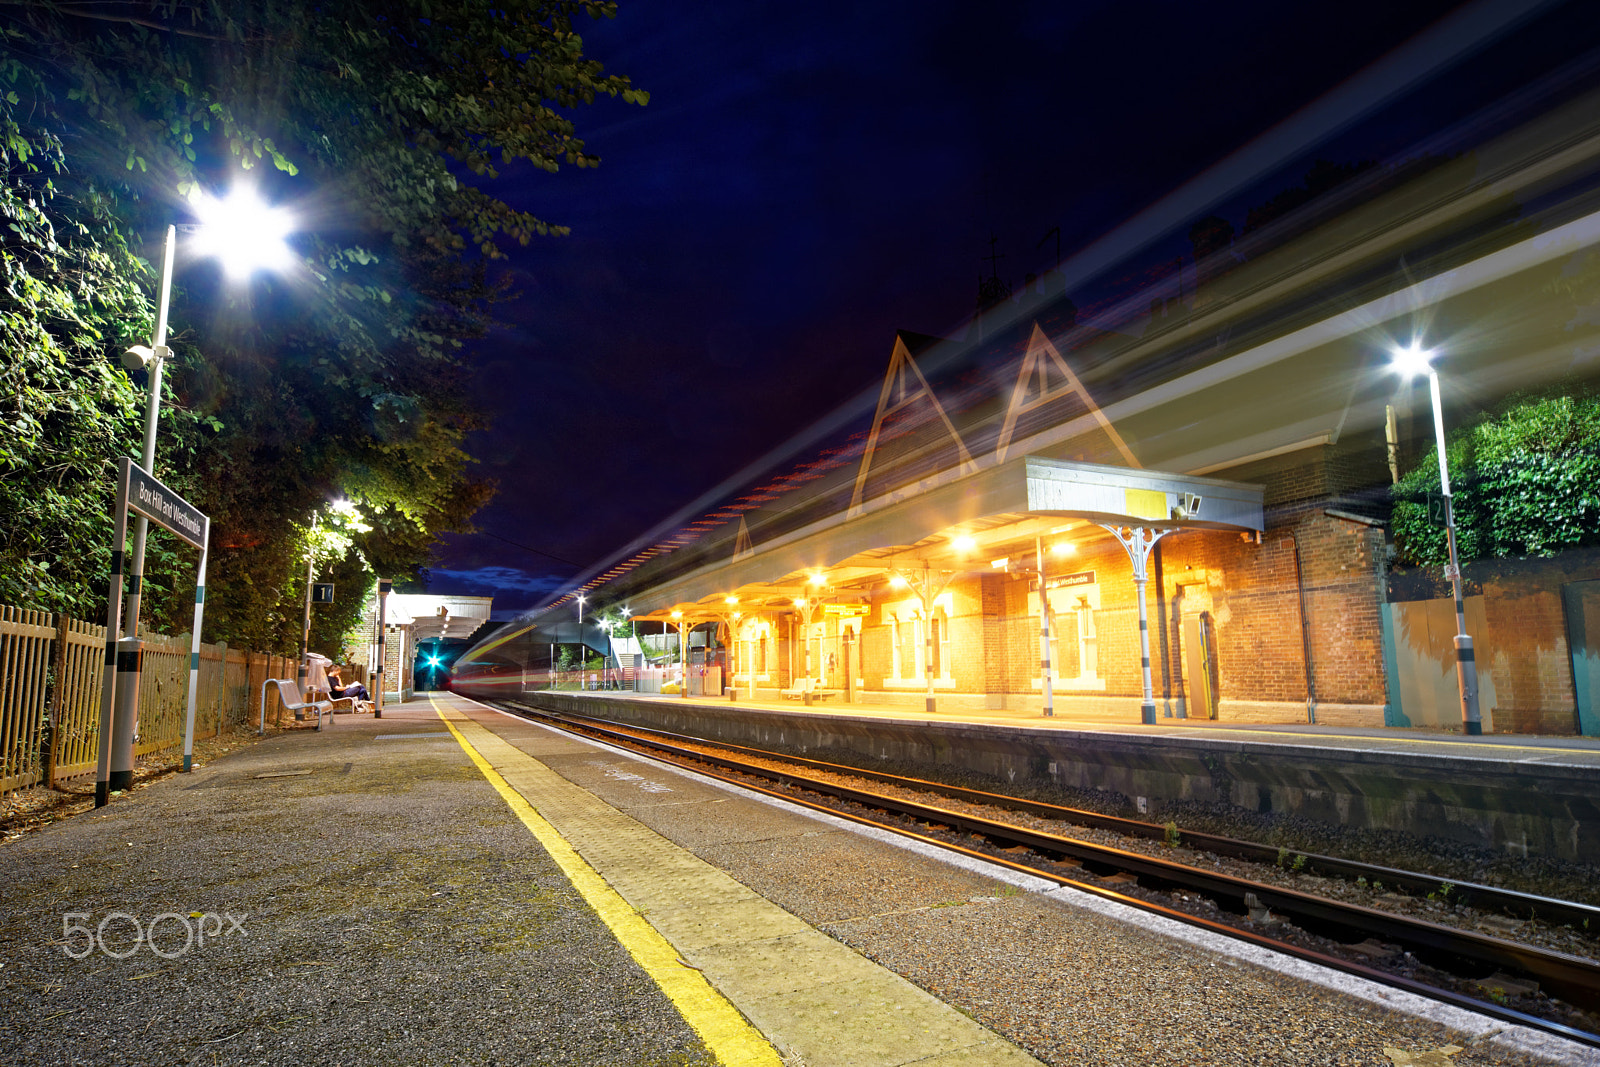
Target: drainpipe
[(1305, 634)]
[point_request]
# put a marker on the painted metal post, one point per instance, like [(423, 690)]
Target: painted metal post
[(1138, 542), (1044, 631), (384, 585), (683, 660), (305, 630), (927, 595), (152, 415), (108, 687), (128, 655), (581, 650), (194, 655), (806, 607), (1466, 658)]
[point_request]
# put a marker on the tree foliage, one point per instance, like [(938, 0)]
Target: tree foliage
[(343, 378), (68, 295), (1525, 482)]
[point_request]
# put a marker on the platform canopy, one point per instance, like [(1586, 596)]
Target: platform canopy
[(964, 525), (439, 617)]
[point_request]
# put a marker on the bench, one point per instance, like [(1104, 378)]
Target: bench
[(336, 704), (289, 693), (799, 692)]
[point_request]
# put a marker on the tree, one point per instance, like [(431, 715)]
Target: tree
[(69, 294), (1525, 482), (345, 380)]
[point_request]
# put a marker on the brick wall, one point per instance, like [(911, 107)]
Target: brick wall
[(1525, 646)]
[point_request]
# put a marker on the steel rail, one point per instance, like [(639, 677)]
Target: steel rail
[(1575, 914), (1572, 978)]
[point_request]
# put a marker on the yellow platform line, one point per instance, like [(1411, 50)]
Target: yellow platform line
[(726, 1033)]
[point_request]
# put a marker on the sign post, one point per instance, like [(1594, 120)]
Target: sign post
[(138, 491), (384, 585)]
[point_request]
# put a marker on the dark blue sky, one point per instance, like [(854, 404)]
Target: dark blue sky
[(809, 178)]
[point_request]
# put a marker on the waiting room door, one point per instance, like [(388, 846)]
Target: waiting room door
[(1200, 665), (1582, 601)]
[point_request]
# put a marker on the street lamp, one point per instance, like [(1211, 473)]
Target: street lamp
[(606, 625), (1409, 362), (245, 234), (248, 235), (683, 671), (581, 656)]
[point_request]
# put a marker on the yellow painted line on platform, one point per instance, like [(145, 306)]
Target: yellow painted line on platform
[(730, 1038)]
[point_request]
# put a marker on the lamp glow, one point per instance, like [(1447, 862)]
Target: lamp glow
[(1412, 360), (964, 544), (244, 232)]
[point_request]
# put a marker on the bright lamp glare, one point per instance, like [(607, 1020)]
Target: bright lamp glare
[(963, 544), (434, 661), (1063, 548), (1412, 360), (244, 232)]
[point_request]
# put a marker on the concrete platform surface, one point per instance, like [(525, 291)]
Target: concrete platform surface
[(451, 884)]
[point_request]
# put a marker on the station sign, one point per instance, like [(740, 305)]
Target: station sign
[(322, 592), (1067, 580), (148, 497), (847, 611)]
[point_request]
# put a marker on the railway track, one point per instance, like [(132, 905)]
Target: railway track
[(1572, 979)]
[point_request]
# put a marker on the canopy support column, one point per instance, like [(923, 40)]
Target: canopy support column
[(1139, 541)]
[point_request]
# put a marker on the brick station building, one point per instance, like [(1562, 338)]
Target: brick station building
[(1252, 422)]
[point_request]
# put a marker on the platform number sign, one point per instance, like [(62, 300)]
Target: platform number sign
[(1436, 515), (322, 593)]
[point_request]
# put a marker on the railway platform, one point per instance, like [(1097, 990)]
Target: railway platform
[(451, 884), (1525, 795)]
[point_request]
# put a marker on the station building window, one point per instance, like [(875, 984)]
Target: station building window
[(908, 642), (1075, 651)]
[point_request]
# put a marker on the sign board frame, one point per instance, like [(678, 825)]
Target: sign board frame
[(140, 492)]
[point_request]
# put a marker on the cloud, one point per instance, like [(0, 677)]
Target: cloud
[(491, 581)]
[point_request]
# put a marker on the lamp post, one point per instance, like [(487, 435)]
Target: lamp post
[(1410, 362), (606, 625), (683, 644), (245, 235), (305, 630), (581, 656)]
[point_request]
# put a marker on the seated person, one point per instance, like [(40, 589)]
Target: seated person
[(337, 688)]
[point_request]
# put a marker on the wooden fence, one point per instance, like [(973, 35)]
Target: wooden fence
[(51, 671)]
